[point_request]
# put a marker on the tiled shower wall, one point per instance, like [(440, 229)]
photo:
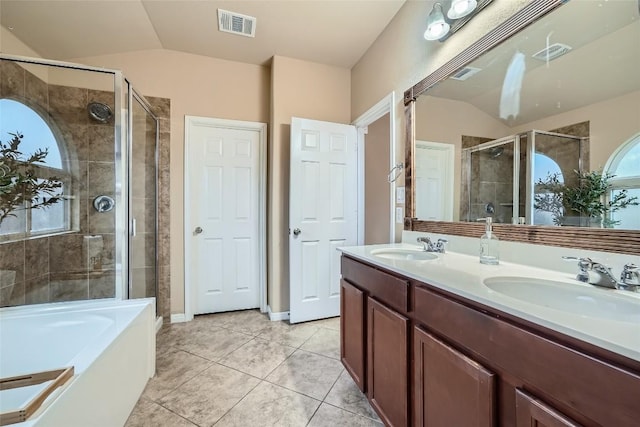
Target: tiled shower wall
[(80, 264)]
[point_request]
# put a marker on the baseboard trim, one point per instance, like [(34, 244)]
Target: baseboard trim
[(178, 318), (283, 315), (158, 323)]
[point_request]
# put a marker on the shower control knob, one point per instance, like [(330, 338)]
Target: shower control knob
[(198, 230)]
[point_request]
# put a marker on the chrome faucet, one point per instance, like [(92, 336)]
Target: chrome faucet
[(598, 274), (439, 246)]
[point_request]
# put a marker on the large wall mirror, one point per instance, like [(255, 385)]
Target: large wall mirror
[(519, 124)]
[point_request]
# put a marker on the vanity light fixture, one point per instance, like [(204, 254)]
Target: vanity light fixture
[(458, 13), (437, 27)]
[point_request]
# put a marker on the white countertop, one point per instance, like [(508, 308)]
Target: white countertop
[(463, 275)]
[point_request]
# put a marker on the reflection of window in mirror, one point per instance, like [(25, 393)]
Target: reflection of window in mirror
[(545, 167), (625, 165), (18, 118)]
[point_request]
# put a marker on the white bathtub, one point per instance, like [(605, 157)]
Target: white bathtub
[(110, 344)]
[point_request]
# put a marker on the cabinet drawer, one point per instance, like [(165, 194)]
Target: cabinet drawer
[(574, 383), (393, 290)]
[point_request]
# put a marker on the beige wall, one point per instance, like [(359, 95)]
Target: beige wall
[(307, 90), (197, 86), (376, 186)]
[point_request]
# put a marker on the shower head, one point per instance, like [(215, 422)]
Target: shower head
[(495, 152), (99, 112)]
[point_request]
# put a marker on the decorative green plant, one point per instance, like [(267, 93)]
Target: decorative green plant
[(20, 186), (588, 199)]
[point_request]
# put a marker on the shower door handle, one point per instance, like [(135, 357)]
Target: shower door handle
[(134, 227), (198, 230)]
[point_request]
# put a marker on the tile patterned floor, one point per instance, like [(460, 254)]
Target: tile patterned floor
[(240, 369)]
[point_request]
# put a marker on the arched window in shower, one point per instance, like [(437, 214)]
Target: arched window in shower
[(624, 164), (18, 118)]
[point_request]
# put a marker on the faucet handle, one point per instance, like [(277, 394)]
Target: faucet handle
[(630, 275), (584, 264), (440, 245)]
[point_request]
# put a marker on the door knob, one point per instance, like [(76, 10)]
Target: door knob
[(198, 230), (296, 231)]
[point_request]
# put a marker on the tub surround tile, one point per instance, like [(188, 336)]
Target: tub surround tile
[(330, 416), (207, 397), (310, 374), (12, 84), (12, 258), (100, 143), (36, 290), (36, 257), (174, 367), (102, 284), (101, 178), (271, 405), (346, 395), (258, 357), (149, 414), (68, 289), (68, 253), (12, 295), (286, 334), (68, 104), (36, 90), (325, 342)]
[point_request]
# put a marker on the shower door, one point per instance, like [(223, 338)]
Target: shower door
[(143, 136), (492, 176), (552, 157)]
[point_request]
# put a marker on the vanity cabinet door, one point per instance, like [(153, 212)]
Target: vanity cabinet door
[(352, 332), (450, 389), (387, 384), (531, 412)]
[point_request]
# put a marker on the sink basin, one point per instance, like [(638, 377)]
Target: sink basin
[(599, 303), (404, 254)]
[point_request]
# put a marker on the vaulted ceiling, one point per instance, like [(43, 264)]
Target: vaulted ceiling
[(334, 32)]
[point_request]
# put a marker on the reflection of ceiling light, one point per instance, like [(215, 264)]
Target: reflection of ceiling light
[(461, 8), (437, 27)]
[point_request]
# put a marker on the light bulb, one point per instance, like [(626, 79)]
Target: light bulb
[(437, 27), (461, 8)]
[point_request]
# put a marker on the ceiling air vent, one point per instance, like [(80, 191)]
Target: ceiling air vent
[(464, 73), (236, 23), (552, 52)]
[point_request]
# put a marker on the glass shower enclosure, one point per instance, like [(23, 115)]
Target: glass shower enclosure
[(97, 239), (505, 178)]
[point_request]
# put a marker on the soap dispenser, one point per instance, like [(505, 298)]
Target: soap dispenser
[(489, 245)]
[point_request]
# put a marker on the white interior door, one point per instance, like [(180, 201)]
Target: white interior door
[(223, 209), (322, 214), (434, 179)]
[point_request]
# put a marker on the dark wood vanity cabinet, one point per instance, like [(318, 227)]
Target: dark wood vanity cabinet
[(530, 412), (426, 357), (387, 373), (450, 389), (352, 339)]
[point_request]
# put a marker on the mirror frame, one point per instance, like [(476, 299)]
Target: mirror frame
[(606, 240)]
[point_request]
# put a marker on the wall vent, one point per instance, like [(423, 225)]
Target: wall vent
[(236, 23), (552, 52), (464, 73)]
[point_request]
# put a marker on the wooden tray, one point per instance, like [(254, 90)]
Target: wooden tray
[(57, 377)]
